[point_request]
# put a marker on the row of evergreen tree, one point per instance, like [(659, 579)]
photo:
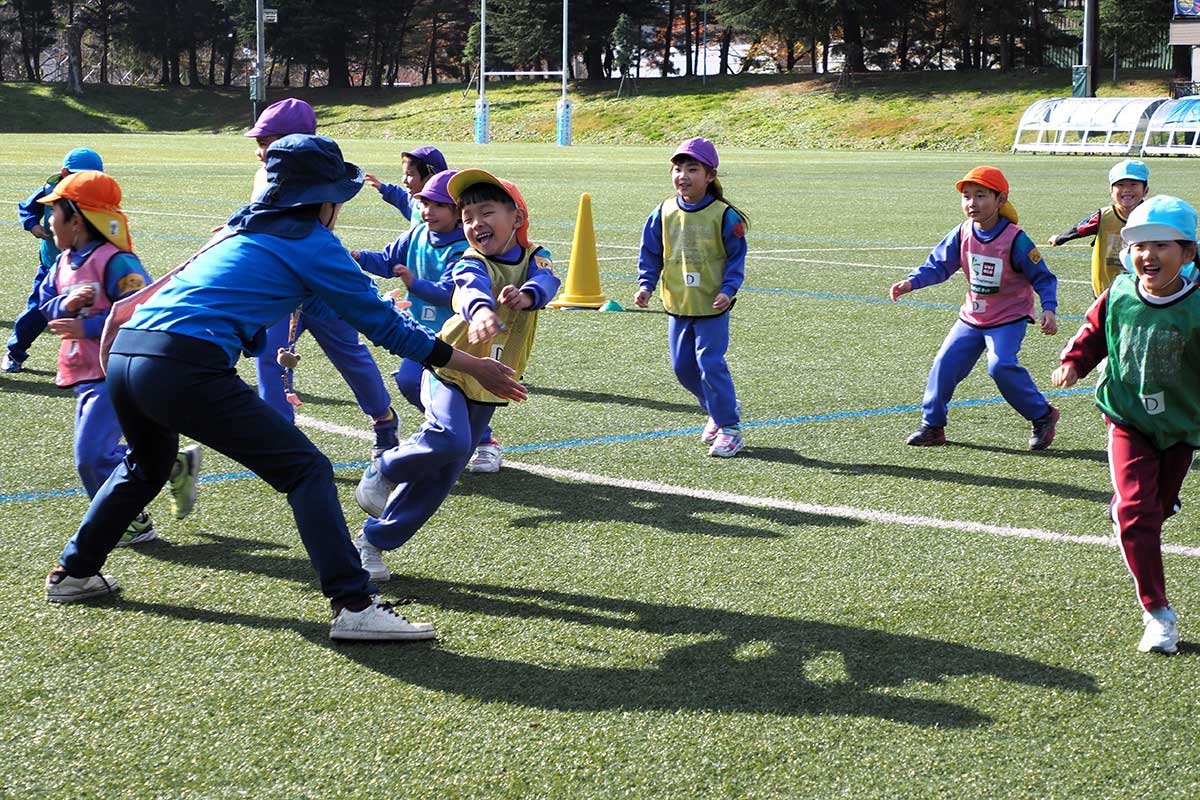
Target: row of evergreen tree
[(381, 42)]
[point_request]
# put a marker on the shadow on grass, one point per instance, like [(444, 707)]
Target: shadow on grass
[(746, 663), (781, 455), (39, 388), (569, 502), (310, 399), (1079, 455), (236, 554), (616, 399)]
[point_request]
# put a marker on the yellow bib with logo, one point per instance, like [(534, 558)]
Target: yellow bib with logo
[(1106, 251), (693, 258), (512, 345)]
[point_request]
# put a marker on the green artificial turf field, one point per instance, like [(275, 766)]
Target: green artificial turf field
[(618, 615)]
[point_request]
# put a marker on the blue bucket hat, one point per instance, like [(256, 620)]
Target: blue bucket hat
[(1129, 169), (1162, 218), (303, 170), (82, 158)]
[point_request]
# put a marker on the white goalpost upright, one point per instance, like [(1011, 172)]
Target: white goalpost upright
[(483, 114)]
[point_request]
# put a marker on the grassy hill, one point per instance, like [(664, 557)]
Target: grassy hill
[(917, 111)]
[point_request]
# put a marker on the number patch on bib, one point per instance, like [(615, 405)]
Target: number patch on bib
[(691, 279)]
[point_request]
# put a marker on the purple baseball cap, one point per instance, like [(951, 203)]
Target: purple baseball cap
[(429, 155), (437, 188), (283, 118), (700, 149)]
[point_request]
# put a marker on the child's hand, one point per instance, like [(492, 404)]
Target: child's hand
[(513, 297), (41, 233), (1052, 241), (373, 181), (404, 274), (1049, 323), (67, 327), (642, 298), (497, 379), (901, 288), (722, 302), (80, 297), (1064, 377), (355, 254), (485, 326)]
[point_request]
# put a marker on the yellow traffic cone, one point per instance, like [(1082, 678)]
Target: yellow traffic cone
[(583, 272)]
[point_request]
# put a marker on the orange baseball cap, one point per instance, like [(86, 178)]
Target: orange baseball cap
[(466, 178), (990, 177), (98, 197)]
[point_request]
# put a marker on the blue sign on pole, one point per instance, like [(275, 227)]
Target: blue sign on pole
[(1187, 8)]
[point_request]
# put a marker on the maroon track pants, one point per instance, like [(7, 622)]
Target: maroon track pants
[(1146, 483)]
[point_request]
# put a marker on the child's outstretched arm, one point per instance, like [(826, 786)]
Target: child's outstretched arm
[(1027, 259), (1087, 348), (384, 263), (650, 259), (943, 261), (1085, 227)]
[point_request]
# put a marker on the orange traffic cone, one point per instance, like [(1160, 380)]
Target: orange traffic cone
[(583, 272)]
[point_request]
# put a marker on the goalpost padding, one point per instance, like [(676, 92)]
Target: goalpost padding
[(1096, 125)]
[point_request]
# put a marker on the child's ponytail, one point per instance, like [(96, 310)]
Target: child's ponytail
[(718, 192)]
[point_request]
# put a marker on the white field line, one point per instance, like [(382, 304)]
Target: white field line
[(840, 512)]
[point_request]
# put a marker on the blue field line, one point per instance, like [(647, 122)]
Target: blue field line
[(632, 437)]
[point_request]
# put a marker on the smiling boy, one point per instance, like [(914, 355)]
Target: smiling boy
[(500, 283), (1003, 269), (1148, 328), (1129, 181)]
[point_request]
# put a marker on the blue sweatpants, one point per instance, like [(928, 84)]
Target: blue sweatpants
[(30, 323), (341, 344), (698, 346), (163, 385), (956, 358), (98, 448), (425, 466), (408, 381)]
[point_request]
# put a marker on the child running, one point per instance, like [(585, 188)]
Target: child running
[(423, 258), (336, 337), (417, 168), (1148, 327), (500, 283), (172, 370), (1003, 269), (1129, 181), (96, 267), (696, 242), (35, 218)]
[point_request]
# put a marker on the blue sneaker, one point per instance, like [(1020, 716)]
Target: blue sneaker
[(10, 365)]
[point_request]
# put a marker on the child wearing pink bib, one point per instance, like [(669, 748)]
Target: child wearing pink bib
[(1003, 269)]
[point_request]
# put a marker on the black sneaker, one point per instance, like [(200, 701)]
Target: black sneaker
[(928, 436), (1043, 430)]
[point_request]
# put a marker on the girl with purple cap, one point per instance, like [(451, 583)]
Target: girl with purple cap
[(337, 338), (696, 242), (418, 167), (423, 258)]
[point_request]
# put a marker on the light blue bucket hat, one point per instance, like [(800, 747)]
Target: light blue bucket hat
[(1129, 169)]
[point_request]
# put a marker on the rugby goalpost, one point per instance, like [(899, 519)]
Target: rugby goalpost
[(483, 108)]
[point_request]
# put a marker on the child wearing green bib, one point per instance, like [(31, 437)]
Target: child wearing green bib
[(1128, 183), (696, 243), (1148, 327)]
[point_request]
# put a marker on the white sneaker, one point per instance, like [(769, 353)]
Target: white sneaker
[(377, 622), (62, 588), (487, 458), (372, 559), (1162, 631), (373, 490), (711, 429), (728, 442)]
